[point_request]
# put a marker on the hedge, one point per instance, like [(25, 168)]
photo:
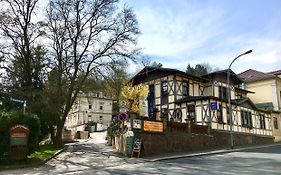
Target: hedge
[(10, 119)]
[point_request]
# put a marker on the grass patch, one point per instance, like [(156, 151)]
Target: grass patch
[(45, 152)]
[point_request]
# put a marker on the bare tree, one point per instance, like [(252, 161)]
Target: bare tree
[(22, 57), (86, 36)]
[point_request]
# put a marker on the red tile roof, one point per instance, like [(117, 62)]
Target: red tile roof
[(254, 75)]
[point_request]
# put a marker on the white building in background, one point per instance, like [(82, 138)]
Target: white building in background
[(90, 107)]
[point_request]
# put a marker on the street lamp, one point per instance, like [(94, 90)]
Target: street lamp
[(229, 97)]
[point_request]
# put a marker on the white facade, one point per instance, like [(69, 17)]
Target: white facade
[(180, 97), (91, 107)]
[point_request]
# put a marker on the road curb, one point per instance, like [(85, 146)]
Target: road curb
[(57, 153)]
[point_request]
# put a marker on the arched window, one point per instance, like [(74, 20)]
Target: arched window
[(177, 114)]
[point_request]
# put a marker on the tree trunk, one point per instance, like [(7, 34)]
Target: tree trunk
[(52, 131), (58, 137)]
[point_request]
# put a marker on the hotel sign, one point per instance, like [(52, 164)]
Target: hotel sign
[(151, 126)]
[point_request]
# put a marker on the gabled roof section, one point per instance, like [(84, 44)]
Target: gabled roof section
[(222, 76), (243, 90), (149, 73), (242, 101), (277, 72), (248, 102), (265, 106), (254, 75)]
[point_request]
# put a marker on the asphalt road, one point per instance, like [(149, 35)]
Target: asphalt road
[(261, 161), (92, 157)]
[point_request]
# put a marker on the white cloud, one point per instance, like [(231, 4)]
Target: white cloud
[(182, 33), (166, 33)]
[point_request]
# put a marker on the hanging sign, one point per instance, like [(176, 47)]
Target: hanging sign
[(191, 108)]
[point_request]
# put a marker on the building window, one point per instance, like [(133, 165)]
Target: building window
[(164, 113), (164, 92), (164, 88), (223, 94), (90, 106), (229, 118), (275, 122), (262, 122), (220, 114), (185, 88), (191, 113), (101, 117), (246, 119), (101, 107), (177, 114), (151, 102)]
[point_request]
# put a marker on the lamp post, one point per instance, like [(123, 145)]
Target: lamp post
[(229, 98)]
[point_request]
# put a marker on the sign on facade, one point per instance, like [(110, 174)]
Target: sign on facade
[(123, 103), (151, 126), (214, 106), (122, 110), (191, 108), (137, 124)]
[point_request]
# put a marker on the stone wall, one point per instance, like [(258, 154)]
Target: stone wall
[(155, 143), (222, 139)]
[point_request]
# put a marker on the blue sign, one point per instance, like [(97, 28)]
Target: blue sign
[(122, 116), (214, 106)]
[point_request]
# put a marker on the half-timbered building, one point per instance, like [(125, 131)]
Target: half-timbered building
[(180, 97)]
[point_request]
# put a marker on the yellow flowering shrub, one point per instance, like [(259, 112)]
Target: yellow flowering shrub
[(133, 95)]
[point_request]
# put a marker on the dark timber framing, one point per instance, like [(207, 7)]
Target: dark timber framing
[(202, 92)]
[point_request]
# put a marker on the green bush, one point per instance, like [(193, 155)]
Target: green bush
[(8, 120)]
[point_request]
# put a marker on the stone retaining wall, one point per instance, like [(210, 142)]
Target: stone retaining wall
[(155, 143)]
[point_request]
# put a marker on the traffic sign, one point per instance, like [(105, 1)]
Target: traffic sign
[(123, 103), (122, 117), (122, 110)]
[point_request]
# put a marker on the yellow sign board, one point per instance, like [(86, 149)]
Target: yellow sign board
[(151, 126)]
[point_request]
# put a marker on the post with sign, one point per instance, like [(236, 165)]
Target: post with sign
[(19, 142)]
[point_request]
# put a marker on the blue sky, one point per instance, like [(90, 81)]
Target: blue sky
[(178, 32)]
